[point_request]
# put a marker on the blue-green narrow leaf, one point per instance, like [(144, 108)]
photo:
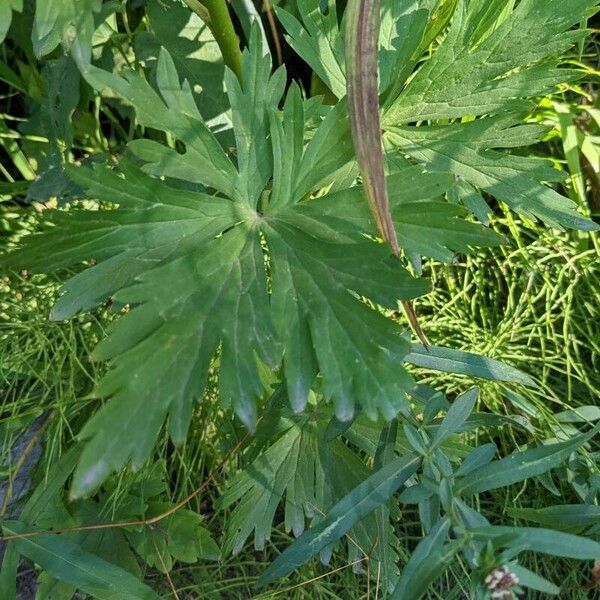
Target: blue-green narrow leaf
[(565, 516), (544, 541), (465, 363), (533, 580), (457, 414), (429, 560)]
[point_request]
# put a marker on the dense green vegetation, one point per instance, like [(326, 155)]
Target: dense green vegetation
[(227, 315)]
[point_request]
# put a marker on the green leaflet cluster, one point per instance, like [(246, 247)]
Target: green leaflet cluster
[(309, 471), (493, 60)]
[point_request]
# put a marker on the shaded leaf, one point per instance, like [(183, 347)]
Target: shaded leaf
[(427, 562), (456, 416), (533, 580), (370, 494), (67, 562), (566, 516)]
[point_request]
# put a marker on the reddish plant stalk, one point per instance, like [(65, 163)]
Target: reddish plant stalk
[(362, 53)]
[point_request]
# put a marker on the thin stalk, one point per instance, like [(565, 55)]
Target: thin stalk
[(362, 37), (222, 28)]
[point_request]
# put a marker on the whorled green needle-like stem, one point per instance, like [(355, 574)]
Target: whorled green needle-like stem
[(222, 28), (362, 45)]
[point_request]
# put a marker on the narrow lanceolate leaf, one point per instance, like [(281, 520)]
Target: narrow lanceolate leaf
[(5, 18), (387, 444), (482, 455), (532, 580), (457, 415), (520, 465), (545, 541), (565, 516), (449, 360), (66, 561), (385, 453), (366, 497), (362, 36), (428, 562), (36, 508)]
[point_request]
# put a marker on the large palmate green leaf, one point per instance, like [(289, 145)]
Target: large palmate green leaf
[(316, 317), (468, 151), (152, 223), (174, 110), (425, 224), (233, 275), (254, 269), (469, 75), (493, 60), (232, 243), (214, 295)]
